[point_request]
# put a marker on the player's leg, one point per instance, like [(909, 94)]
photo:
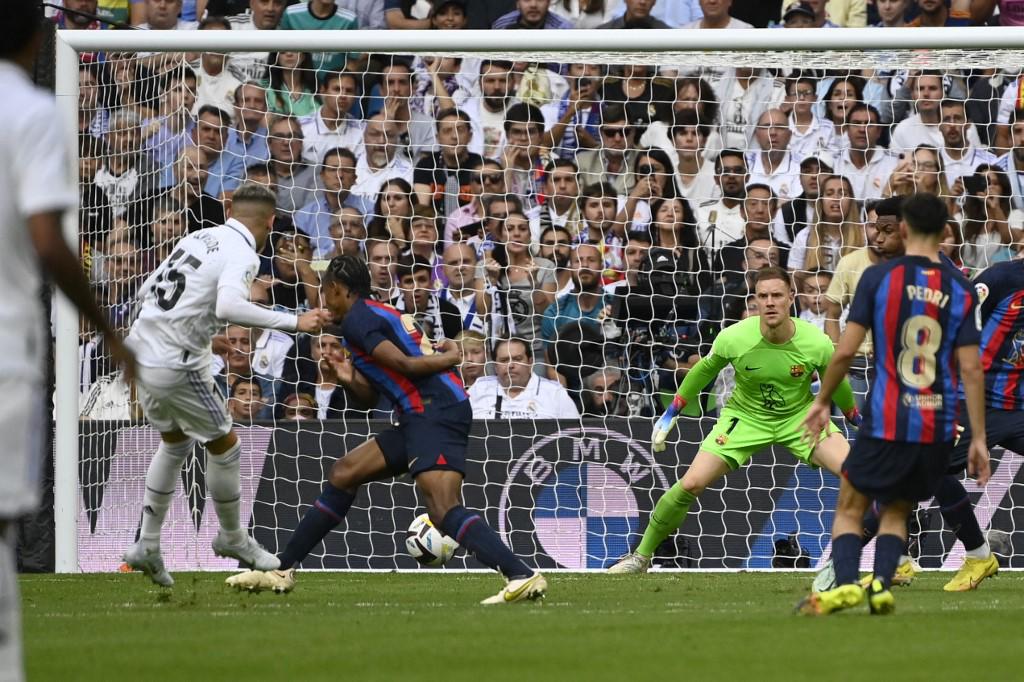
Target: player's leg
[(831, 452), (11, 666)]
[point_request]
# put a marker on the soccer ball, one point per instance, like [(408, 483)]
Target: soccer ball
[(427, 544)]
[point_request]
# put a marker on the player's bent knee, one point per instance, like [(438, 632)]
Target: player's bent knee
[(692, 484), (344, 475)]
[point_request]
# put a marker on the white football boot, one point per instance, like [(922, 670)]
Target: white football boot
[(149, 561), (631, 563), (523, 589), (249, 552), (264, 581)]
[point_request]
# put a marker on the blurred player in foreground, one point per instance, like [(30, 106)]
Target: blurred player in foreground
[(391, 356), (776, 357), (924, 322)]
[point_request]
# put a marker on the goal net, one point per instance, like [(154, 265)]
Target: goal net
[(605, 210)]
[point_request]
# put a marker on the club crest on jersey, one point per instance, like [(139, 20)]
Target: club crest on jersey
[(722, 439), (796, 371)]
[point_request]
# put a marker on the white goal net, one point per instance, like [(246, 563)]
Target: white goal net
[(605, 209)]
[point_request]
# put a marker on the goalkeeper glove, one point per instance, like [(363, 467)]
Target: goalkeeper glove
[(853, 416), (666, 423)]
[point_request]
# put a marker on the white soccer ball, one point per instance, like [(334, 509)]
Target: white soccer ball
[(426, 544)]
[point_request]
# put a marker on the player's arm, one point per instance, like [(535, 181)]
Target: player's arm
[(357, 386), (835, 376), (833, 311), (389, 356), (60, 262), (699, 376), (233, 304), (973, 377)]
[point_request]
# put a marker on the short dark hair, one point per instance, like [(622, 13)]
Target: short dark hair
[(244, 380), (505, 340), (338, 74), (338, 151), (770, 272), (351, 271), (522, 112), (862, 106), (613, 112), (890, 206), (215, 21), (22, 20), (452, 111), (950, 102), (559, 162), (689, 118), (925, 214), (222, 116), (408, 267), (728, 152)]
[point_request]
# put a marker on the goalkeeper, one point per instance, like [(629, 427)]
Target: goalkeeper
[(775, 357)]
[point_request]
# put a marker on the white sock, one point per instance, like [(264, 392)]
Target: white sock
[(161, 480), (982, 552), (11, 666), (224, 483)]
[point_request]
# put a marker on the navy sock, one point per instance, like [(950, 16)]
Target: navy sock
[(958, 512), (870, 523), (326, 513), (471, 531), (888, 549), (846, 558)]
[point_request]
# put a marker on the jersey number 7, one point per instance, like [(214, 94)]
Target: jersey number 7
[(170, 282)]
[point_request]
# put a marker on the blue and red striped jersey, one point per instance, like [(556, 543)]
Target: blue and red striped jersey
[(919, 312), (370, 323), (1000, 290)]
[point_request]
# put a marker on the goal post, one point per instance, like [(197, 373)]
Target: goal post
[(785, 50)]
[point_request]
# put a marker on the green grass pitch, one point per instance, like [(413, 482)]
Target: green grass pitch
[(667, 626)]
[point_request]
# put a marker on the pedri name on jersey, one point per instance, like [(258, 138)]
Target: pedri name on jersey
[(928, 295)]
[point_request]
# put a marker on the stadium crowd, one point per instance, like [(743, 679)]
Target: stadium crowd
[(582, 231)]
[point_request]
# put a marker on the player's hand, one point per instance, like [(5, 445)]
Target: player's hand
[(313, 320), (853, 416), (123, 357), (450, 350), (662, 428), (977, 461), (815, 422), (220, 345)]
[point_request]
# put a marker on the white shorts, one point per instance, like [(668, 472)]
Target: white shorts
[(21, 427), (178, 400)]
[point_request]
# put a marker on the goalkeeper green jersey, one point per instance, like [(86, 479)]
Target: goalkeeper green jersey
[(773, 381)]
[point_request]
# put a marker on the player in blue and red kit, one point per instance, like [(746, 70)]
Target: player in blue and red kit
[(925, 321), (1000, 291), (390, 356)]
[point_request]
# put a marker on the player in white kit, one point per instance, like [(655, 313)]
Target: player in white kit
[(202, 285), (35, 191)]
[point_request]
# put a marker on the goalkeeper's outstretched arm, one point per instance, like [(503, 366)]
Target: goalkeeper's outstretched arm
[(699, 376)]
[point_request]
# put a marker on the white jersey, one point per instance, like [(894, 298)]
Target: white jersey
[(541, 399), (178, 302), (34, 165)]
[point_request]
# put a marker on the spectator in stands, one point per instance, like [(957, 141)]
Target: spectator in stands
[(561, 198), (215, 84), (799, 212), (263, 15), (775, 165), (586, 14), (921, 171), (408, 14), (380, 160), (598, 206), (127, 174), (758, 208), (312, 367), (299, 406), (487, 110), (728, 300), (720, 221), (556, 245), (449, 15), (382, 260), (677, 255), (190, 174), (237, 363), (532, 14), (164, 15), (637, 15), (883, 243), (691, 94), (634, 257), (988, 237), (224, 171), (585, 302), (810, 132), (123, 273), (938, 13), (524, 286), (438, 318), (820, 10), (93, 117), (1012, 162), (168, 224), (516, 391), (959, 156), (246, 402), (579, 110), (837, 230), (603, 393), (891, 13), (414, 130), (644, 97), (473, 346), (443, 177), (369, 13), (295, 180), (486, 178), (524, 166), (745, 94), (291, 88), (612, 160), (333, 125), (424, 242), (167, 134), (841, 95), (923, 127), (465, 289), (294, 284), (247, 140), (337, 175), (71, 20), (866, 165), (716, 15), (695, 170), (799, 15), (348, 234), (392, 213), (810, 299), (321, 15)]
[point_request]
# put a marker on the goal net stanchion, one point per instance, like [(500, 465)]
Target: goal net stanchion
[(566, 494)]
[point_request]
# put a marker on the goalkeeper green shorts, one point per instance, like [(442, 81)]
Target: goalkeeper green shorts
[(737, 436)]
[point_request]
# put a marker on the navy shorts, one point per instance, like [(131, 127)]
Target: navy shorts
[(888, 470), (1002, 427), (430, 440)]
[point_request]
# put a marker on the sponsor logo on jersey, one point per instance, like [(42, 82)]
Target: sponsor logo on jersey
[(581, 492), (922, 401), (796, 371)]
